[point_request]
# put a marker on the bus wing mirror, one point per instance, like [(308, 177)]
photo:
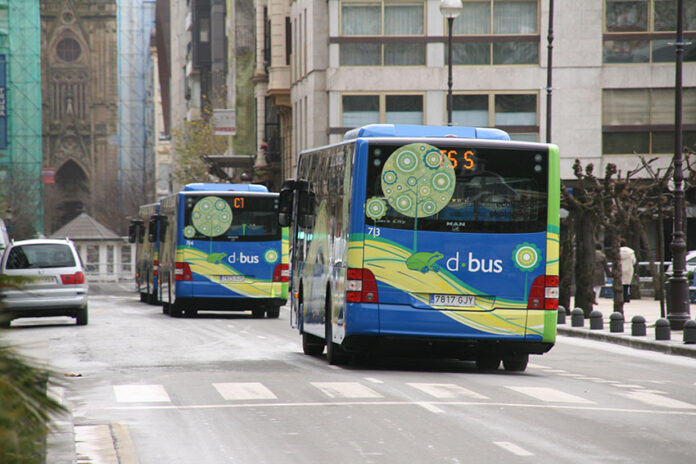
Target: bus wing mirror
[(305, 209), (285, 203)]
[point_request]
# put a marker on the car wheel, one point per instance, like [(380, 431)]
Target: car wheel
[(81, 316)]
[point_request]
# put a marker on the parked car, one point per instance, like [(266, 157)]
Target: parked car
[(47, 279), (690, 263)]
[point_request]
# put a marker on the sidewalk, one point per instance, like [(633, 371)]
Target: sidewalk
[(647, 308)]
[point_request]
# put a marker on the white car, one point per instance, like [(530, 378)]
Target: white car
[(42, 277), (690, 263)]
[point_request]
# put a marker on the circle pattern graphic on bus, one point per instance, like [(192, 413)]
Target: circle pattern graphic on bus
[(526, 257), (271, 256), (417, 181), (211, 216)]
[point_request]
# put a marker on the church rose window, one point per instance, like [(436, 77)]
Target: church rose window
[(68, 50)]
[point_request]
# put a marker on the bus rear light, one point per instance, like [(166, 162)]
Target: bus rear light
[(182, 271), (155, 268), (361, 286), (77, 278), (281, 273), (544, 293)]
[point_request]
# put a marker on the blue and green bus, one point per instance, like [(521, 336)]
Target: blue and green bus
[(424, 240), (221, 248)]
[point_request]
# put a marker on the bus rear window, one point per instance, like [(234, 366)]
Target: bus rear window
[(460, 187), (235, 218)]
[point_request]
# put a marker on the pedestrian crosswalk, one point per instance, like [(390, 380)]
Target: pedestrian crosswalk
[(431, 396)]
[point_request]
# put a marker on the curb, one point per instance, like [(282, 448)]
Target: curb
[(673, 347)]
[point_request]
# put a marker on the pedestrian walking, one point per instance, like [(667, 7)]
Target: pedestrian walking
[(628, 261), (601, 271)]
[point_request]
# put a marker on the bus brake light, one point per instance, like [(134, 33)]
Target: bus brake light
[(361, 286), (281, 273), (544, 293), (183, 272), (155, 267)]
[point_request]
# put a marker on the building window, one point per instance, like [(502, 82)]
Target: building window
[(515, 113), (641, 121), (68, 50), (382, 34), (359, 110), (642, 31), (496, 31)]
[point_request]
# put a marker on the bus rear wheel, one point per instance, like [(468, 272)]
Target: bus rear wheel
[(273, 312), (257, 313), (487, 363), (311, 345), (175, 310), (516, 362)]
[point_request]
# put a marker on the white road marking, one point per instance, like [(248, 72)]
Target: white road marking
[(658, 400), (513, 448), (430, 407), (56, 393), (141, 394), (627, 386), (550, 395), (244, 391), (346, 390), (94, 444), (373, 380), (446, 390)]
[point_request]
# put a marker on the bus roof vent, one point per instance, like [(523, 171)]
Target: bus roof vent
[(207, 187), (408, 130)]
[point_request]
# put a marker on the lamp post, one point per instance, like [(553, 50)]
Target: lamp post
[(450, 9), (678, 310)]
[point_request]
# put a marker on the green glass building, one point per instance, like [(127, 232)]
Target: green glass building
[(20, 114)]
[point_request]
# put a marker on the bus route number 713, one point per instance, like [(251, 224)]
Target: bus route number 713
[(374, 231)]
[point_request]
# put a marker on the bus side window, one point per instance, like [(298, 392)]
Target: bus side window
[(163, 224)]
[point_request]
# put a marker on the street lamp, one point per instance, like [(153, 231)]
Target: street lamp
[(450, 9)]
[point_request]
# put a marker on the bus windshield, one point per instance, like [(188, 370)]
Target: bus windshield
[(236, 218), (457, 188)]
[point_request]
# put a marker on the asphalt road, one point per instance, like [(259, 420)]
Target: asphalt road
[(226, 388)]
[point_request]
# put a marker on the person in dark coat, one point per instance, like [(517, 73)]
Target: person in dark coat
[(601, 271)]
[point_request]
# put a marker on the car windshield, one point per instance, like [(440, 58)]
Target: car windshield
[(40, 256)]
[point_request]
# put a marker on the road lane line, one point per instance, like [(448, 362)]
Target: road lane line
[(141, 394), (244, 391), (446, 391), (550, 395), (373, 380), (346, 390), (513, 448)]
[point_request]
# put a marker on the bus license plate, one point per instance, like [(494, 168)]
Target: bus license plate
[(459, 301), (231, 278)]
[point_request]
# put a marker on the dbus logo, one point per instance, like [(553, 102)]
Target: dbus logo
[(473, 264), (241, 258)]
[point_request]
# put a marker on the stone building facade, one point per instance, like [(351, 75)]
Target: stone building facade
[(80, 111)]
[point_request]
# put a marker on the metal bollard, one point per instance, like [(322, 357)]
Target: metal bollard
[(638, 326), (663, 330), (577, 318), (596, 320), (616, 322), (561, 315), (690, 331)]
